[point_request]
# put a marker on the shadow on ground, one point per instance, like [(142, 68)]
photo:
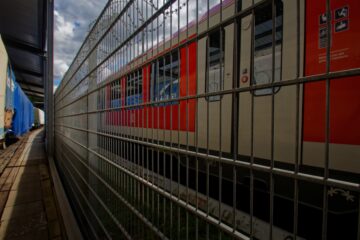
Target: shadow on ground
[(30, 211)]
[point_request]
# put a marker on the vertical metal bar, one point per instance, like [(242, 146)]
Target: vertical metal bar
[(252, 125), (358, 218), (164, 154), (147, 149), (144, 128), (179, 141), (171, 145), (178, 23), (235, 109), (271, 205), (297, 135), (49, 82), (187, 123), (197, 128), (111, 128), (207, 18), (128, 83), (152, 28), (144, 112), (122, 126), (222, 87), (153, 82), (158, 126), (327, 120), (207, 100), (138, 126), (132, 129), (106, 118), (157, 172), (222, 84)]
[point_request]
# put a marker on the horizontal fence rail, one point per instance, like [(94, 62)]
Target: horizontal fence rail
[(214, 119)]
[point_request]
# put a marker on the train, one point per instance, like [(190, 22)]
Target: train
[(168, 78), (183, 106), (39, 117), (16, 109)]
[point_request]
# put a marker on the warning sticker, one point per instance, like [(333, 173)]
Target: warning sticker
[(342, 30), (342, 25), (342, 12), (322, 19), (323, 37)]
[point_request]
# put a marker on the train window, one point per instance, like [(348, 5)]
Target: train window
[(165, 78), (263, 47), (134, 88), (215, 62), (174, 75), (115, 96)]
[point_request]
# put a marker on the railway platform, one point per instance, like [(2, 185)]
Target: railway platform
[(28, 206)]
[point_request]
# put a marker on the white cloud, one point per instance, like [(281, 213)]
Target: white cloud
[(72, 20), (61, 67), (55, 87)]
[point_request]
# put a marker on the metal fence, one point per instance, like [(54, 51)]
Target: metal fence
[(213, 119)]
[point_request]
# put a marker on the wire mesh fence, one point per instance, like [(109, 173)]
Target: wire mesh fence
[(214, 119)]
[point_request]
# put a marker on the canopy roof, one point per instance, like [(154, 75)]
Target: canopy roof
[(23, 29)]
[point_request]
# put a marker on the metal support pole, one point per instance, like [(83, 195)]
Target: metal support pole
[(49, 82)]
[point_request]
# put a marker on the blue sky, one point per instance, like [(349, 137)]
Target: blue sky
[(72, 21)]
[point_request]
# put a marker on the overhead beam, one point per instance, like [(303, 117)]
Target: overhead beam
[(24, 80), (32, 87), (23, 45), (35, 98), (30, 93), (19, 69)]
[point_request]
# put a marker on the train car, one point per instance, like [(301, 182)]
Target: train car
[(23, 118), (3, 77), (16, 115), (38, 117), (6, 97), (213, 116)]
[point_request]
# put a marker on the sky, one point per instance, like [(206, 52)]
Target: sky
[(72, 21)]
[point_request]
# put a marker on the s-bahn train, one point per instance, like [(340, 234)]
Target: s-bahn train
[(16, 110), (162, 102)]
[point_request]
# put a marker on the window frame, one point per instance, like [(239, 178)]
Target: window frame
[(252, 80), (132, 81), (156, 81), (215, 98)]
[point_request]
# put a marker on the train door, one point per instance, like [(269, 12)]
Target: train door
[(215, 74), (268, 115)]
